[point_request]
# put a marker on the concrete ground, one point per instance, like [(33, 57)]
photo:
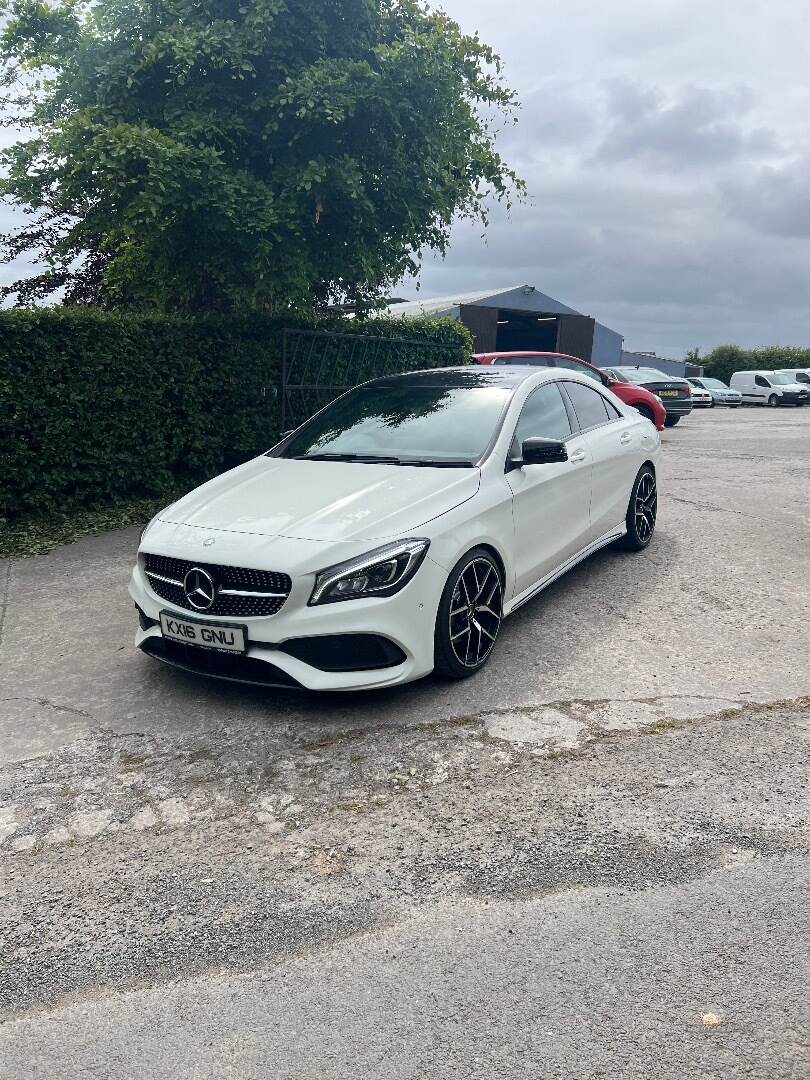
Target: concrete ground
[(590, 860)]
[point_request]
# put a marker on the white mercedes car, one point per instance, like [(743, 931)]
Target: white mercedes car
[(391, 533)]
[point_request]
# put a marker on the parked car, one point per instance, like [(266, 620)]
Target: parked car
[(769, 388), (720, 393), (393, 531), (675, 394), (646, 403), (799, 375), (701, 399)]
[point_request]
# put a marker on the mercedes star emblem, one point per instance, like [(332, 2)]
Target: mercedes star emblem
[(198, 585)]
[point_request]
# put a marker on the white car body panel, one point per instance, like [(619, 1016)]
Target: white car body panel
[(299, 517), (324, 500)]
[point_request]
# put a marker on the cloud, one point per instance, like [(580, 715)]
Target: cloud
[(775, 201), (692, 126)]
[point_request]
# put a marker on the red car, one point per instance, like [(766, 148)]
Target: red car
[(646, 403)]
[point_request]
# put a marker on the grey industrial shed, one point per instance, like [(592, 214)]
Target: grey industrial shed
[(521, 317)]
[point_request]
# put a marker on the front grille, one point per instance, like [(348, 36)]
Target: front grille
[(217, 665), (166, 577)]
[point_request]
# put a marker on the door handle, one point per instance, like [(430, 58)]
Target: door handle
[(625, 438), (578, 455)]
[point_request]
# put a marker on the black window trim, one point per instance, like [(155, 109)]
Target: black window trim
[(574, 419)]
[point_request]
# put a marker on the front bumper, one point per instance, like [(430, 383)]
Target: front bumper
[(407, 620)]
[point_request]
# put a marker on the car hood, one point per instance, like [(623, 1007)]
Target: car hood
[(323, 500)]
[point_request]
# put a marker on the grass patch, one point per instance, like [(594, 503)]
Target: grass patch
[(25, 537)]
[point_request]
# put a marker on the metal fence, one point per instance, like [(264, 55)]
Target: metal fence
[(318, 365)]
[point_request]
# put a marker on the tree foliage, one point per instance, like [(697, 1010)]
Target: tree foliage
[(189, 155), (723, 361)]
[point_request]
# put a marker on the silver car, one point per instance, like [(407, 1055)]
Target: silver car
[(721, 394)]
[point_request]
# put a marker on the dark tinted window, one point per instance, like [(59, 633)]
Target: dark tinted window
[(543, 417), (760, 381), (612, 411), (589, 405)]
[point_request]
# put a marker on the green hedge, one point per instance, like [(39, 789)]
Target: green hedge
[(98, 407), (726, 359)]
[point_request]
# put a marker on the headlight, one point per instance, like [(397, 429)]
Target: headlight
[(380, 573)]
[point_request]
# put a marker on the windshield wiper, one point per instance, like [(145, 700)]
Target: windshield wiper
[(382, 459), (441, 463), (370, 458)]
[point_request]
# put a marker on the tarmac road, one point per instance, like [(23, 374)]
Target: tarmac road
[(560, 867)]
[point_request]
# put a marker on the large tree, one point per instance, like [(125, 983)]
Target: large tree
[(196, 154)]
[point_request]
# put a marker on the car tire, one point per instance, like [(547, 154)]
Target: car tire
[(773, 401), (642, 511), (646, 412), (469, 616), (671, 421), (711, 404)]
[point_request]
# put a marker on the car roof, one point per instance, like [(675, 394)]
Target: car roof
[(470, 375), (531, 352)]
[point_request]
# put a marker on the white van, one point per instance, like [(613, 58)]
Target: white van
[(769, 388), (798, 374)]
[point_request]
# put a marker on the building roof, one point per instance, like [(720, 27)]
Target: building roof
[(515, 297)]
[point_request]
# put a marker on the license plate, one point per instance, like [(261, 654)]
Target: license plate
[(224, 638), (667, 393)]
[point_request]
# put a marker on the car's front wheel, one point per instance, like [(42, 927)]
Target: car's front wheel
[(671, 421), (773, 401), (469, 616), (642, 511)]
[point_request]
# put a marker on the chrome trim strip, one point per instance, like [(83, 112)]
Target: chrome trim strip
[(160, 577), (245, 592)]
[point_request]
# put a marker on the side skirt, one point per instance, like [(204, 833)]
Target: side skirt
[(538, 587)]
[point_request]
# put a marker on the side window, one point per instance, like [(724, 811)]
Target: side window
[(760, 381), (612, 411), (589, 405), (543, 417), (583, 369)]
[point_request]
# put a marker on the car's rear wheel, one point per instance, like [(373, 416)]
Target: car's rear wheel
[(647, 412), (469, 616), (671, 421), (642, 511)]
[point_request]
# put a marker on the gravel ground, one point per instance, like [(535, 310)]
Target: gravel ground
[(591, 861)]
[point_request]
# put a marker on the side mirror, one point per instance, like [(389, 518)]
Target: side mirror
[(542, 451)]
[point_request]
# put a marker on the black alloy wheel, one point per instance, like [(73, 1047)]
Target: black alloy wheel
[(469, 616), (642, 511)]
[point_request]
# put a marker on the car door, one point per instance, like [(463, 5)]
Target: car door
[(762, 388), (550, 502), (615, 446)]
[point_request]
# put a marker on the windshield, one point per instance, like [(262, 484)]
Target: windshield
[(645, 374), (714, 384), (400, 423), (617, 375), (777, 379)]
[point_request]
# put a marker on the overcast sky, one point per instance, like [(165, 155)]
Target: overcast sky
[(665, 144), (666, 148)]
